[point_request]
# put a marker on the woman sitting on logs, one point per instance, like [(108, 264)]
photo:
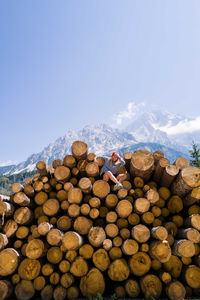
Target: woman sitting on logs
[(110, 167)]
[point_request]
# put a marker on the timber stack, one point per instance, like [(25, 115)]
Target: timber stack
[(67, 234)]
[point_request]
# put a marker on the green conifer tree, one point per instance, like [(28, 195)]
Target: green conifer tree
[(195, 155)]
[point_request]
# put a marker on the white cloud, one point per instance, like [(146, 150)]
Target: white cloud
[(184, 126), (8, 163), (128, 113)]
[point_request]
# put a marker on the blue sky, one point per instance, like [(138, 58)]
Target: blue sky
[(66, 64)]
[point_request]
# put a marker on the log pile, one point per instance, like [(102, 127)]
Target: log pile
[(67, 234)]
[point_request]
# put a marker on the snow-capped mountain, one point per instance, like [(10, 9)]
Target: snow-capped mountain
[(100, 139)]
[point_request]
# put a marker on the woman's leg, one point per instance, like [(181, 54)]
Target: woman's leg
[(121, 177), (109, 175)]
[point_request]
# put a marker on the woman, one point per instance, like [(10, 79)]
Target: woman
[(110, 167)]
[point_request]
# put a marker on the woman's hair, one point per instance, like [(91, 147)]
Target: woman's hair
[(111, 162)]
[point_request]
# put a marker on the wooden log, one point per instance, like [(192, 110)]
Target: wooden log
[(75, 195), (159, 233), (192, 276), (188, 179), (72, 240), (54, 237), (85, 209), (62, 174), (151, 286), (127, 158), (184, 248), (74, 210), (86, 251), (5, 289), (147, 218), (69, 161), (21, 199), (41, 167), (175, 290), (165, 276), (96, 236), (39, 283), (124, 208), (17, 187), (138, 182), (169, 174), (44, 228), (141, 205), (107, 244), (35, 249), (3, 241), (127, 185), (9, 259), (73, 292), (92, 169), (125, 233), (51, 207), (144, 247), (130, 247), (111, 200), (56, 163), (47, 292), (140, 233), (64, 205), (111, 230), (79, 267), (38, 186), (181, 163), (85, 185), (133, 219), (95, 202), (60, 292), (161, 165), (82, 225), (157, 155), (54, 278), (24, 290), (193, 221), (6, 209), (23, 216), (140, 263), (152, 196), (81, 165), (192, 197), (93, 283), (191, 234), (160, 250), (111, 217), (47, 269), (54, 255), (142, 164), (101, 189), (118, 270), (101, 259), (132, 288), (40, 198), (79, 150), (122, 193), (29, 264), (29, 190), (64, 223)]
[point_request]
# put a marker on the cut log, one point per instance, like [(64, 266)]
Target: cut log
[(101, 259), (160, 250), (92, 169), (192, 197), (191, 234), (118, 270), (51, 207), (157, 155), (132, 288), (79, 267), (17, 187), (138, 182), (62, 174), (140, 233), (47, 292), (54, 237), (41, 167), (75, 195), (39, 283), (21, 199), (111, 200), (95, 202), (165, 276), (5, 289), (101, 189), (124, 208), (23, 216), (152, 196), (85, 209), (181, 163), (168, 176), (111, 217), (3, 241), (151, 286), (72, 240), (86, 251), (10, 228), (125, 233), (141, 205), (188, 179), (54, 255), (175, 290), (29, 190), (184, 248), (74, 210), (35, 249), (64, 223), (161, 165), (130, 247), (69, 161), (6, 209), (140, 263), (59, 293), (111, 230), (24, 290), (96, 236), (193, 221), (192, 276), (107, 244), (159, 233), (9, 259), (82, 225), (122, 193), (85, 185), (79, 150), (29, 264), (93, 283), (147, 218), (94, 213), (40, 198), (142, 164)]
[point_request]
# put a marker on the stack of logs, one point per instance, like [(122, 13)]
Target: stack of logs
[(67, 234)]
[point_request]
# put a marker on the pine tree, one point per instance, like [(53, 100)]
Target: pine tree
[(195, 155)]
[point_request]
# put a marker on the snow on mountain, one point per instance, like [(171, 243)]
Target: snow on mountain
[(100, 139)]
